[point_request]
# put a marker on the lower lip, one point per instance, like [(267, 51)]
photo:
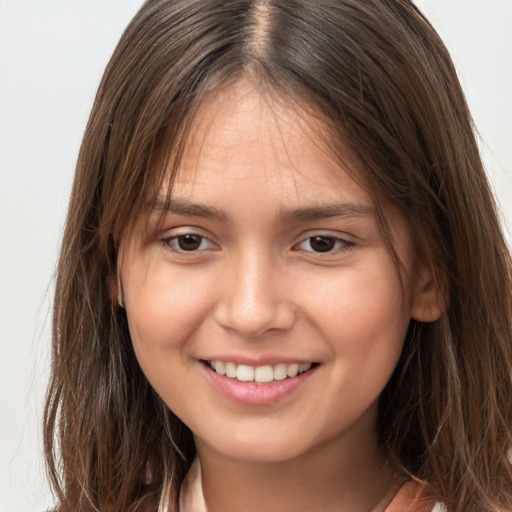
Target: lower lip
[(251, 393)]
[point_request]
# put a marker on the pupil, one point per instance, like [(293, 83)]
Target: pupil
[(322, 243), (189, 242)]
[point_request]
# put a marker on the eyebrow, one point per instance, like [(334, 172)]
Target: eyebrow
[(184, 207), (342, 210), (328, 211)]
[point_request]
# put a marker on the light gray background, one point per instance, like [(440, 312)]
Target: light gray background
[(52, 54)]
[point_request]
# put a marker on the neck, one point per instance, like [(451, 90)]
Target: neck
[(340, 476)]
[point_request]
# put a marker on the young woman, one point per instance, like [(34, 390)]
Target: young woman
[(283, 284)]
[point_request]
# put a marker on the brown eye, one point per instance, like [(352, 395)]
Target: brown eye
[(322, 243), (188, 242)]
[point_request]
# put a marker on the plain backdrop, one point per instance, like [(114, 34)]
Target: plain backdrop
[(52, 54)]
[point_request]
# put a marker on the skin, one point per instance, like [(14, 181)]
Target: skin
[(254, 186)]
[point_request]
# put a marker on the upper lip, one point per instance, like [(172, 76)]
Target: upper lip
[(258, 361)]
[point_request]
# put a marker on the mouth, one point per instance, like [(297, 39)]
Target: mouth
[(265, 374)]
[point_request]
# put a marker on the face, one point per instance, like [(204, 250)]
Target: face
[(266, 311)]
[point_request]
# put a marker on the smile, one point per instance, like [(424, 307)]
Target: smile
[(259, 374)]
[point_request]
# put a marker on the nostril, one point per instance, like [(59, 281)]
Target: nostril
[(255, 319)]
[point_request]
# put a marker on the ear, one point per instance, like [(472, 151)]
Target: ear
[(115, 289), (431, 297)]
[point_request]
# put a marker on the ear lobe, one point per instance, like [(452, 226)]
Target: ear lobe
[(115, 290), (115, 286), (431, 298)]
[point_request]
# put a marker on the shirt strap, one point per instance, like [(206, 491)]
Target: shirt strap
[(410, 498)]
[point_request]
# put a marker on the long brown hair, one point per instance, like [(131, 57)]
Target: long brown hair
[(381, 80)]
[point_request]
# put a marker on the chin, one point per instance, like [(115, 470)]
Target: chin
[(258, 448)]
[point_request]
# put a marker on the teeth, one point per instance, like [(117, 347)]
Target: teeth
[(264, 374), (245, 373), (279, 372), (219, 367), (292, 370), (230, 370), (258, 374), (304, 367)]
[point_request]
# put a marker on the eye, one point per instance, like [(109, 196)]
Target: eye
[(188, 242), (323, 244)]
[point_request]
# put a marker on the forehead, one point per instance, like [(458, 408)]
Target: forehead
[(240, 135)]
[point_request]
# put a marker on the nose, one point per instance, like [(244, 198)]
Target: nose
[(255, 298)]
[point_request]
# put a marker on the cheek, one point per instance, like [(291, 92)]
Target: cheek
[(163, 306), (164, 309), (366, 322), (367, 301), (374, 315)]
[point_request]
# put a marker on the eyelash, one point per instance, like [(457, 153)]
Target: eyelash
[(333, 244)]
